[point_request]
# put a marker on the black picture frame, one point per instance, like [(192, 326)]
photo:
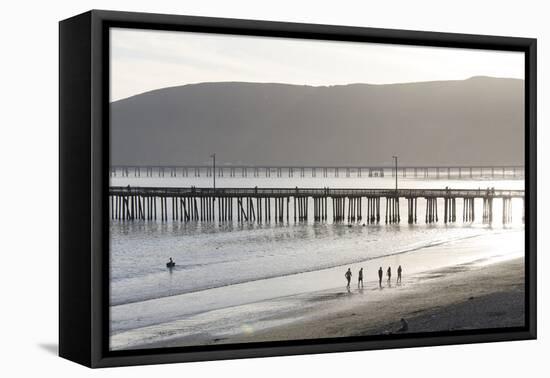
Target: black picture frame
[(84, 177)]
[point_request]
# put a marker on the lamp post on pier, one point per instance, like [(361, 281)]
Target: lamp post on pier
[(213, 156), (395, 160)]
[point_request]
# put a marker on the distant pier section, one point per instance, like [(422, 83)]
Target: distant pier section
[(370, 206), (420, 172)]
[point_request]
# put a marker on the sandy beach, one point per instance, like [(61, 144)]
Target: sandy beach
[(478, 294), (447, 300), (317, 303)]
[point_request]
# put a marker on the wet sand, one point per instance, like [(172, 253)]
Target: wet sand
[(458, 298), (478, 294)]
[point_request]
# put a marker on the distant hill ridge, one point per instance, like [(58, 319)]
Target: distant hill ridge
[(474, 121)]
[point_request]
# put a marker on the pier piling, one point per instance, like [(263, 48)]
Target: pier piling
[(256, 205)]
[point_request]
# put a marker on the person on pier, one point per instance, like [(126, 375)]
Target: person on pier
[(399, 271), (360, 278), (348, 277), (388, 273), (380, 274)]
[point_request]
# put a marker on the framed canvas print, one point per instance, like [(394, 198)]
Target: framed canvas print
[(234, 188)]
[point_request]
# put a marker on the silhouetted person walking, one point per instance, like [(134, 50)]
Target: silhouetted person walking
[(360, 279), (399, 270), (380, 273), (389, 274), (348, 276)]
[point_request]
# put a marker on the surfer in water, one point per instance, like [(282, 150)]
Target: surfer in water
[(170, 263), (360, 278), (380, 273)]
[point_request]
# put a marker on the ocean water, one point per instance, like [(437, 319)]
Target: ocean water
[(215, 257)]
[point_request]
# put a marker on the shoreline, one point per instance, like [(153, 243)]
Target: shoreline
[(249, 303), (437, 300), (444, 303), (403, 251)]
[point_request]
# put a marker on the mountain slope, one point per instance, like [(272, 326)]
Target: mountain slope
[(474, 121)]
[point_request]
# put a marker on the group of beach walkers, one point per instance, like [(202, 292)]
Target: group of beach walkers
[(380, 276)]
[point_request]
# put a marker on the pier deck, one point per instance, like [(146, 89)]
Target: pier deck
[(312, 192)]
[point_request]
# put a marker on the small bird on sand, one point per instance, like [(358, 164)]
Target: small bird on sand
[(404, 326)]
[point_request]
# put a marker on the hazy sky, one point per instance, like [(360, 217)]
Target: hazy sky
[(143, 60)]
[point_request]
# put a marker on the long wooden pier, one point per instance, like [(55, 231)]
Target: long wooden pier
[(425, 172), (281, 204)]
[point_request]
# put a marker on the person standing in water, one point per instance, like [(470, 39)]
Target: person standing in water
[(389, 275), (360, 279), (399, 270), (348, 276), (380, 273)]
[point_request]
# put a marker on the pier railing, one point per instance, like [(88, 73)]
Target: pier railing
[(313, 192)]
